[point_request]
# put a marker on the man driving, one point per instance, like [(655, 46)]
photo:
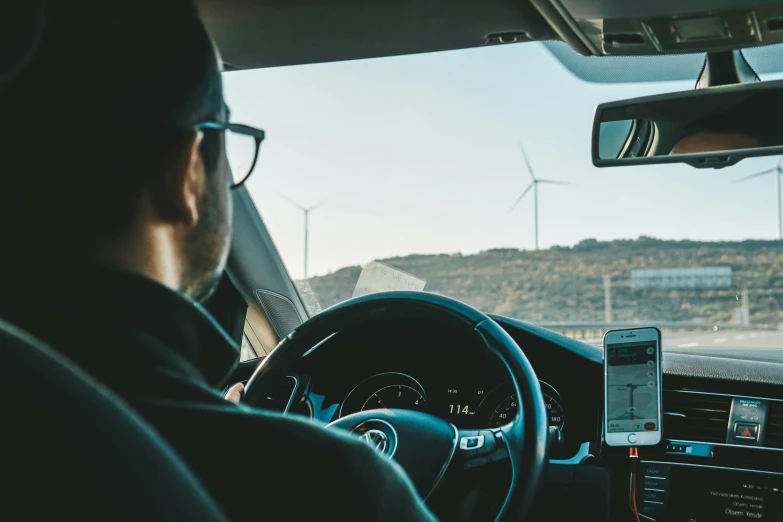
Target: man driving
[(735, 127), (115, 215)]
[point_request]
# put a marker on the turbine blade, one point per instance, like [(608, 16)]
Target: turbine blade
[(294, 203), (313, 207), (555, 182), (527, 162), (756, 175), (520, 197)]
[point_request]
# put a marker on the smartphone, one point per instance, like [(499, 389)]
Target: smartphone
[(632, 387)]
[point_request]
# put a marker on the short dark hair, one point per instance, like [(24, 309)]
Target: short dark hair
[(743, 117), (110, 96)]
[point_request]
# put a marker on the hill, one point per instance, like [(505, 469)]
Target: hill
[(566, 283)]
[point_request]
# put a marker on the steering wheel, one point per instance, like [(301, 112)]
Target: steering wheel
[(425, 445)]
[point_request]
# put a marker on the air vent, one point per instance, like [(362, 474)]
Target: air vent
[(774, 435), (700, 417)]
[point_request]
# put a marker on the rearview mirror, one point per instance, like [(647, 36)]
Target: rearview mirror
[(706, 128)]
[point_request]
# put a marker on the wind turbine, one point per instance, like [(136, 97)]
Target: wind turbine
[(306, 211), (534, 185), (779, 171)]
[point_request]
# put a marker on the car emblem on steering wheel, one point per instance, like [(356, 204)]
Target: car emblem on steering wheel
[(377, 440)]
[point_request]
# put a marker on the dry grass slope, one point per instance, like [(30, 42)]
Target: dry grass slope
[(566, 283)]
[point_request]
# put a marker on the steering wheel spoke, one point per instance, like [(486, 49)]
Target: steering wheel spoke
[(479, 448)]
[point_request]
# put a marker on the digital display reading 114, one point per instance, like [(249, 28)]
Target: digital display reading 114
[(463, 402)]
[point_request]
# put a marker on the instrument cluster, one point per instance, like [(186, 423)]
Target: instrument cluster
[(467, 405)]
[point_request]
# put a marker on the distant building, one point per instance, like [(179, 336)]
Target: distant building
[(681, 278)]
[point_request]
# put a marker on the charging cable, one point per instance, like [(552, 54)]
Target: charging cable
[(633, 455)]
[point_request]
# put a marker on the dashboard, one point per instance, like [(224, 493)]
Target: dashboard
[(706, 469), (435, 368)]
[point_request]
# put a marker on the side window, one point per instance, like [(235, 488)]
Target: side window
[(246, 352)]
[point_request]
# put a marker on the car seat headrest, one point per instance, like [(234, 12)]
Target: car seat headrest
[(22, 24)]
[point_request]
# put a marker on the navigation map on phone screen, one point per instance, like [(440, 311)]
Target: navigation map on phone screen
[(632, 387)]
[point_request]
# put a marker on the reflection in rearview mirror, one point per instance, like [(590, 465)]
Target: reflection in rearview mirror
[(714, 127), (614, 136)]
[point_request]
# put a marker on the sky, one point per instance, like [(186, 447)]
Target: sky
[(420, 154)]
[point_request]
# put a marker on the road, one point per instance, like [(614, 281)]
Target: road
[(761, 344)]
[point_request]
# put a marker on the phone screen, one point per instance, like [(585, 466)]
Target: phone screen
[(632, 387)]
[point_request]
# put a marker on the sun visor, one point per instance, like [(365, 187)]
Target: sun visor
[(619, 27), (766, 61)]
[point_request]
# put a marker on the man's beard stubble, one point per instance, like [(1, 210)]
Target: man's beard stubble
[(208, 244)]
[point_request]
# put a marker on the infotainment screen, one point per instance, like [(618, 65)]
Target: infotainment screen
[(725, 496), (687, 493)]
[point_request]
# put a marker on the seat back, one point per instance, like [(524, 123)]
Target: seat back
[(71, 450)]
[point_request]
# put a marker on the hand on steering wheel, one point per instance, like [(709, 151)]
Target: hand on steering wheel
[(425, 445)]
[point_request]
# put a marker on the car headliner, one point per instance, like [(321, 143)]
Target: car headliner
[(255, 34), (272, 33)]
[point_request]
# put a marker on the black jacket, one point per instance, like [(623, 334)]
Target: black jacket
[(166, 356)]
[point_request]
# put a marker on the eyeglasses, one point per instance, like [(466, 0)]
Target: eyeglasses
[(242, 145)]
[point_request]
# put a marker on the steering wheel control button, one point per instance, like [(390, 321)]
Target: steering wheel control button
[(476, 443), (743, 430), (466, 438), (632, 438), (471, 443)]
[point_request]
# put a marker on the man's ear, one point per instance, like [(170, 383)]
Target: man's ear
[(193, 181), (177, 197)]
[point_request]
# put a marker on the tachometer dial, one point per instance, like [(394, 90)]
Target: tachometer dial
[(396, 396), (385, 390)]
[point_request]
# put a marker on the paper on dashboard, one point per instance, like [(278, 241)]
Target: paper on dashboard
[(378, 277)]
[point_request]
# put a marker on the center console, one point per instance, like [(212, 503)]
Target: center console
[(678, 492), (721, 459)]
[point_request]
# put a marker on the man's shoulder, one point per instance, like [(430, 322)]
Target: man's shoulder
[(284, 445), (273, 453), (260, 429)]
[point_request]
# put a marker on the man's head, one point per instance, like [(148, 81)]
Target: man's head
[(747, 123), (103, 162), (714, 142)]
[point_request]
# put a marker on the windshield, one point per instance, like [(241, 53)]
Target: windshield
[(418, 164)]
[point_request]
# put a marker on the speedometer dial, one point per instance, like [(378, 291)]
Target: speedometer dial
[(503, 402), (506, 410)]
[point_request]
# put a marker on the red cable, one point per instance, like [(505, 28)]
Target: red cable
[(633, 496), (634, 454)]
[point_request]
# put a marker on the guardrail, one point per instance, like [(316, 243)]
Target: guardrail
[(596, 330)]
